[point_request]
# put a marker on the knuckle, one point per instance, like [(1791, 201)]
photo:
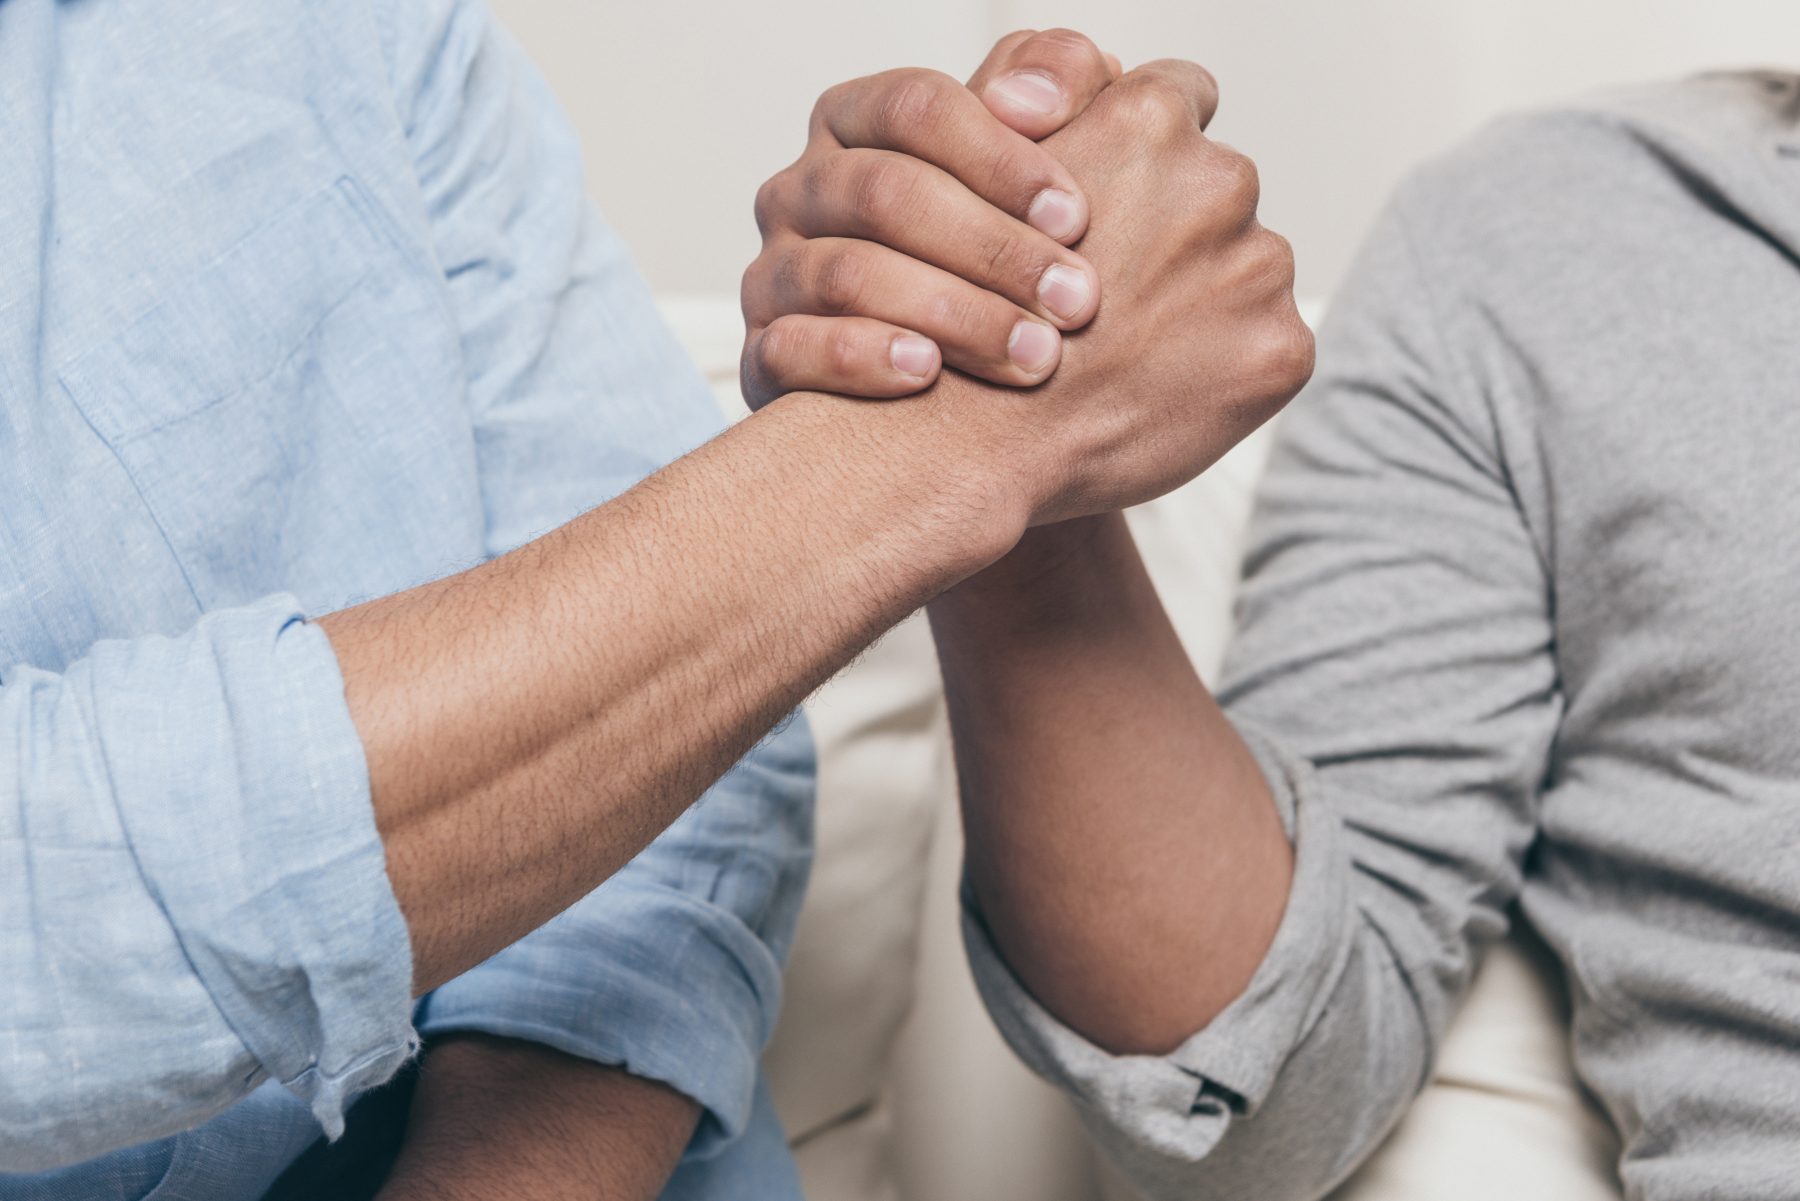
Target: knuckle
[(1153, 107), (1019, 169), (911, 106), (879, 190), (822, 109), (839, 280), (1188, 85), (755, 378), (1206, 87), (769, 204), (1277, 254), (786, 275), (1186, 76), (769, 354), (1281, 359), (840, 355), (1006, 263), (749, 384), (1237, 181), (753, 285), (832, 98), (968, 319), (832, 102), (823, 181)]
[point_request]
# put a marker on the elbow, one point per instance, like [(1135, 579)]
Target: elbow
[(1125, 1030)]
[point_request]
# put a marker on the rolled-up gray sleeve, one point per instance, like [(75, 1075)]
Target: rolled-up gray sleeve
[(1394, 673), (1177, 1108)]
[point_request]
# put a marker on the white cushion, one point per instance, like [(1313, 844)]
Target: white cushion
[(884, 773), (851, 1160), (1504, 1118)]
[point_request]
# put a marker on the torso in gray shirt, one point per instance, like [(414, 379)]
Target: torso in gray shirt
[(1519, 622)]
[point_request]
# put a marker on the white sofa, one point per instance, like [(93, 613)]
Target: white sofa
[(892, 1083)]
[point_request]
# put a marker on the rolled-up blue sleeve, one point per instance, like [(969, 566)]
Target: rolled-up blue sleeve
[(672, 968), (577, 391), (196, 895)]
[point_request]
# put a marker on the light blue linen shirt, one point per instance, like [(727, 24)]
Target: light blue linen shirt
[(301, 304)]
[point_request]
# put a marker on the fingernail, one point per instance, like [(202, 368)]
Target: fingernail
[(1054, 212), (1064, 291), (1031, 91), (1033, 346), (913, 355)]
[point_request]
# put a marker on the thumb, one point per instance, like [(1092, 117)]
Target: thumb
[(1036, 82)]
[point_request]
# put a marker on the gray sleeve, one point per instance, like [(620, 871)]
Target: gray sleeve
[(1393, 671)]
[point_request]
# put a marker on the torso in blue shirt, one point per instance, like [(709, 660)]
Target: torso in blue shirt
[(272, 322)]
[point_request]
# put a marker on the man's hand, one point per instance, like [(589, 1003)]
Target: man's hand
[(1090, 755), (1198, 341), (500, 1120), (918, 229), (532, 723)]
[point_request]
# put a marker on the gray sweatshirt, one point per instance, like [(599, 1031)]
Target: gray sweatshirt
[(1519, 624)]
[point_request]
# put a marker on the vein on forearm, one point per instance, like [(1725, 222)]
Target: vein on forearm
[(531, 724)]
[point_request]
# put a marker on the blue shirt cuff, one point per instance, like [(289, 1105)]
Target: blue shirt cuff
[(249, 816), (642, 976)]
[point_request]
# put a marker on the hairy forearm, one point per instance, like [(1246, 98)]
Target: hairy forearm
[(1122, 843), (497, 1119), (533, 723)]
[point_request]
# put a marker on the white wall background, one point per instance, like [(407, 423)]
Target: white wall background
[(687, 105)]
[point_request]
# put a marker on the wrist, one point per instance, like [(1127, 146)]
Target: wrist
[(954, 472), (1046, 573)]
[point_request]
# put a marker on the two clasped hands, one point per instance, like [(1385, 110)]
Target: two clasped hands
[(1056, 286), (932, 225)]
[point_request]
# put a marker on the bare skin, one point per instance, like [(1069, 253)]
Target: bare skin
[(531, 724), (629, 657), (499, 1118), (1123, 846), (494, 1117), (915, 216), (516, 763)]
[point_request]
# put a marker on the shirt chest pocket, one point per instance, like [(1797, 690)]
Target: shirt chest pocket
[(290, 413)]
